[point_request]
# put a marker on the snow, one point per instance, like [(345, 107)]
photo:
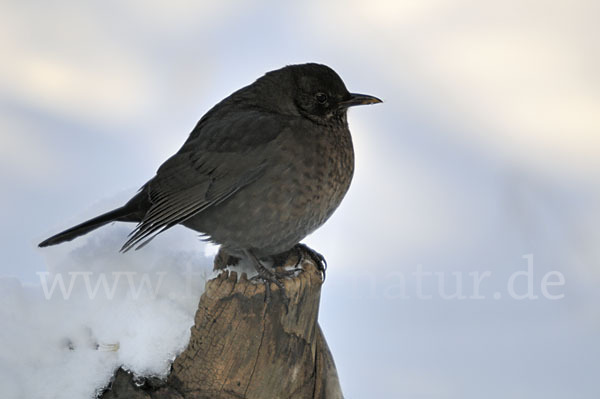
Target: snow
[(132, 310)]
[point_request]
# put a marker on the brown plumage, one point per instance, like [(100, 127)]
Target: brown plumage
[(261, 170)]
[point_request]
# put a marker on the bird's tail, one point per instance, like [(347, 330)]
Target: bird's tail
[(122, 214)]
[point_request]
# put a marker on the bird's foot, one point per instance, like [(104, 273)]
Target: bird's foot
[(299, 253), (272, 276), (304, 251)]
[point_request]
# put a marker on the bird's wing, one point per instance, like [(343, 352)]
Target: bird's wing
[(217, 161)]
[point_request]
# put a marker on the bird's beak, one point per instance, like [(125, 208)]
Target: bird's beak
[(359, 99)]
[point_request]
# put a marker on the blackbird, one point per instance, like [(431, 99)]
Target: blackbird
[(260, 171)]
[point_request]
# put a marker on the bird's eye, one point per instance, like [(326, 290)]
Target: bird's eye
[(321, 98)]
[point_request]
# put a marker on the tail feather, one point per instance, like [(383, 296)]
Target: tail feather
[(120, 214)]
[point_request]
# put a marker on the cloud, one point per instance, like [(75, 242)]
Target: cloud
[(18, 137), (523, 95), (61, 59), (514, 80), (92, 62)]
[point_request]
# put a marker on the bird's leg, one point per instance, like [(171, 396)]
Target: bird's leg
[(318, 259), (268, 277)]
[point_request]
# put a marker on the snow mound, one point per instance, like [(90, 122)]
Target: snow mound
[(96, 309)]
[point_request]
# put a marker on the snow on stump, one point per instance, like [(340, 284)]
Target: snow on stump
[(244, 348)]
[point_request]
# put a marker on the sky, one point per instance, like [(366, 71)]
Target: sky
[(478, 176)]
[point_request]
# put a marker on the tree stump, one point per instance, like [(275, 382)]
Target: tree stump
[(244, 348)]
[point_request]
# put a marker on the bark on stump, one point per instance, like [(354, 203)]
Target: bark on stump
[(242, 347)]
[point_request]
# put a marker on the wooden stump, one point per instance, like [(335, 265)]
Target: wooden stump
[(242, 347)]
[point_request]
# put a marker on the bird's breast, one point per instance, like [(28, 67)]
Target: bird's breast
[(321, 170)]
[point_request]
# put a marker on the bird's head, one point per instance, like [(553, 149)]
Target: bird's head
[(317, 92)]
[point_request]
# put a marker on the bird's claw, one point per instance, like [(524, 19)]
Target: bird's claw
[(318, 259), (273, 276), (276, 276)]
